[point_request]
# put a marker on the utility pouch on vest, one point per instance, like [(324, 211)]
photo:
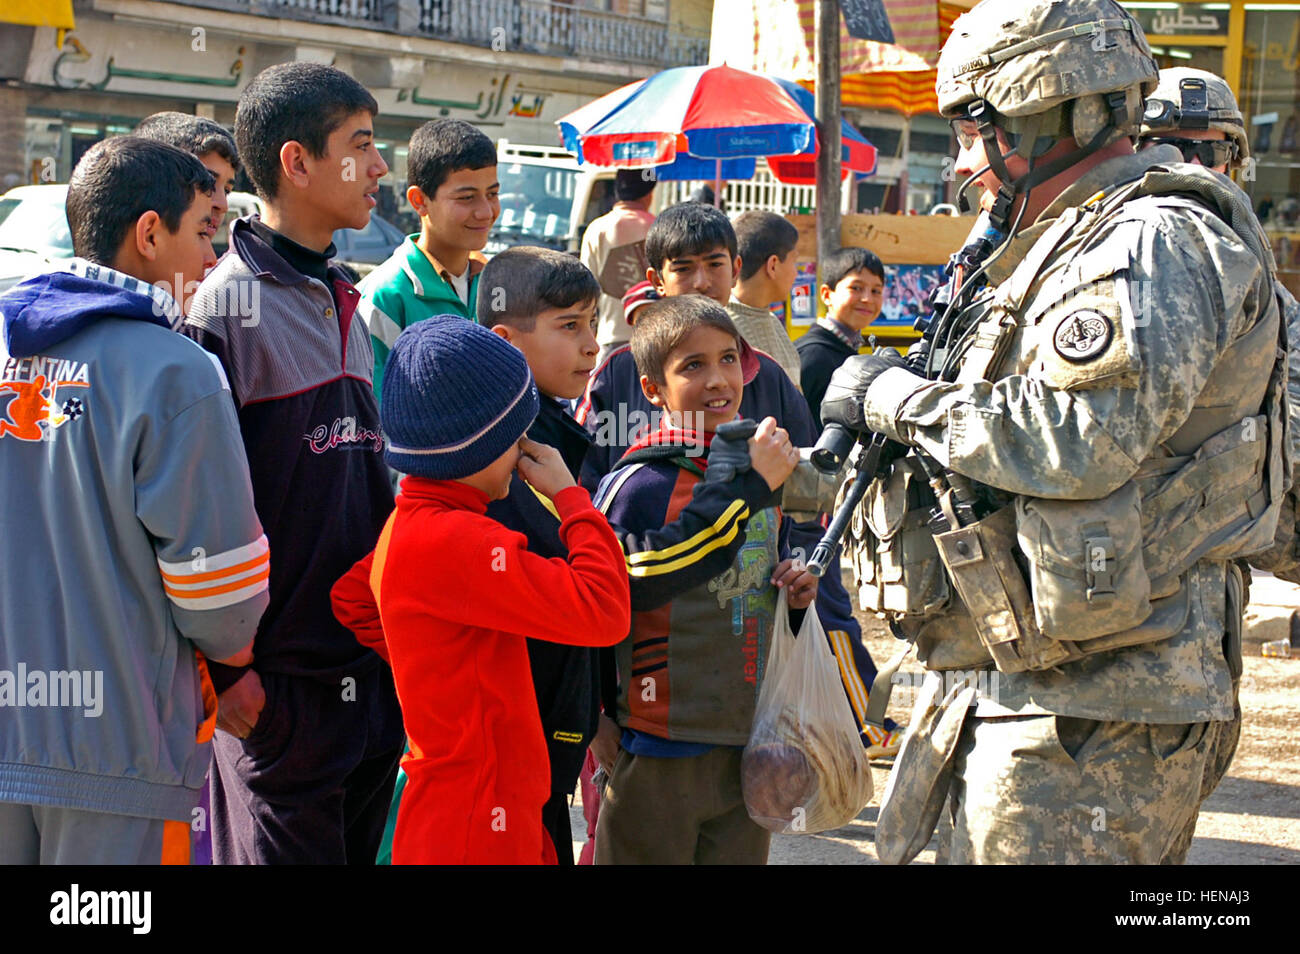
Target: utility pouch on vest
[(981, 562), (1282, 559), (895, 561), (1085, 563)]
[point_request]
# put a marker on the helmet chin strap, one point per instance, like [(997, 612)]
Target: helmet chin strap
[(1000, 214)]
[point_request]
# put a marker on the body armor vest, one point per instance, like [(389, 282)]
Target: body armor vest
[(1049, 581)]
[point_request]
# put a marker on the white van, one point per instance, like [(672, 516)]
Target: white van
[(548, 199)]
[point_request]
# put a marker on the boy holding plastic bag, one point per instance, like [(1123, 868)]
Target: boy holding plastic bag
[(705, 555), (804, 769)]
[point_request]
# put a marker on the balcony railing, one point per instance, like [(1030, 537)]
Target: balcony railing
[(348, 9), (559, 29), (531, 26), (368, 13)]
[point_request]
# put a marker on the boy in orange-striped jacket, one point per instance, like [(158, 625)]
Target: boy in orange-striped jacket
[(128, 535)]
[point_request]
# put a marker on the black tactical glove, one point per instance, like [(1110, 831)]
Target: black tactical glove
[(729, 451), (844, 395)]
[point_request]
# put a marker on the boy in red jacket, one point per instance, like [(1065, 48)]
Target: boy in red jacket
[(457, 593)]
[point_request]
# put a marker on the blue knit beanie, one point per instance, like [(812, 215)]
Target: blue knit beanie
[(455, 397)]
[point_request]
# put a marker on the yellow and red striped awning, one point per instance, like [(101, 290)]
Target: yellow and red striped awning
[(908, 92), (777, 37)]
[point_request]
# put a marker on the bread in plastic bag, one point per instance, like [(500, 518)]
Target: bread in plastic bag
[(804, 769)]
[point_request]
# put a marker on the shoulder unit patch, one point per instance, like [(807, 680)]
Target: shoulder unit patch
[(1082, 336)]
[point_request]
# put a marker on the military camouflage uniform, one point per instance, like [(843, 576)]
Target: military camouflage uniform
[(1225, 115), (1164, 116), (1126, 335)]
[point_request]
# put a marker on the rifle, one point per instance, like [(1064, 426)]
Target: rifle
[(940, 333)]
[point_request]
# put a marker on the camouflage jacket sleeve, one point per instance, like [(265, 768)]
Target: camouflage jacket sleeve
[(1164, 294), (1291, 313)]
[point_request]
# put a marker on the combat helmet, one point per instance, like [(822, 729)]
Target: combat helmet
[(1043, 71), (1187, 98)]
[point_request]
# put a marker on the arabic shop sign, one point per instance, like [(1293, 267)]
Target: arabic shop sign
[(525, 102), (128, 58), (74, 69), (1182, 19)]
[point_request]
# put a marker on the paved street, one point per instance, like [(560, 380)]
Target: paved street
[(1252, 818)]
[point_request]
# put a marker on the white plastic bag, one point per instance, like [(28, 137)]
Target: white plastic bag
[(804, 769)]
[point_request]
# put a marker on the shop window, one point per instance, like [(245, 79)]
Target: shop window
[(1270, 101)]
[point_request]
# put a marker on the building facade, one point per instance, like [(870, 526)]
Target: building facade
[(511, 67)]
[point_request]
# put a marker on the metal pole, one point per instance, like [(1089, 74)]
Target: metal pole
[(827, 106), (904, 181)]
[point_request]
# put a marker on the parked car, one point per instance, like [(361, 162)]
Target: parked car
[(240, 204), (368, 246), (34, 233)]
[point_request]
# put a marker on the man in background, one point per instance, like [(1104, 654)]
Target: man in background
[(613, 247)]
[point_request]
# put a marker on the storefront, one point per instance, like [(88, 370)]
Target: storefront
[(109, 73), (1256, 48)]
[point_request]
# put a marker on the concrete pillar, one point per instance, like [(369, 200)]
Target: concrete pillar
[(408, 16), (13, 134)]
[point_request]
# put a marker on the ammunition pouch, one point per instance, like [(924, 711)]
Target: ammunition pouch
[(947, 642), (895, 561), (981, 561), (1085, 563)]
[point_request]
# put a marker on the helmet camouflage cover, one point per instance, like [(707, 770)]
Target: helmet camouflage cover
[(1223, 112), (1026, 59)]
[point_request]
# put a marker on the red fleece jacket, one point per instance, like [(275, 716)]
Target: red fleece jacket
[(457, 593)]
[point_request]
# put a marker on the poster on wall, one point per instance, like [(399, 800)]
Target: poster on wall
[(803, 296), (907, 291)]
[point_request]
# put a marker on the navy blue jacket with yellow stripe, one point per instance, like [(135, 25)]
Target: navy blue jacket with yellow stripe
[(700, 557)]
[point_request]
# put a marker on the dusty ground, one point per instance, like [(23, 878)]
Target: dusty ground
[(1252, 818)]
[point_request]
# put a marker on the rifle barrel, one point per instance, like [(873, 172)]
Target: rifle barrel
[(868, 465)]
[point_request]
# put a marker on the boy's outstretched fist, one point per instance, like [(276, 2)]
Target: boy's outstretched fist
[(543, 467), (771, 454), (729, 451)]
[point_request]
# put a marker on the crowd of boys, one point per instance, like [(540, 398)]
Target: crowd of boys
[(201, 512)]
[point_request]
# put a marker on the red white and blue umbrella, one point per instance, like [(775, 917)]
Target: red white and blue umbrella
[(704, 122), (857, 154)]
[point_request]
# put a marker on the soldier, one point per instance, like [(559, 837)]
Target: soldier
[(1209, 129), (1195, 111), (1109, 412)]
